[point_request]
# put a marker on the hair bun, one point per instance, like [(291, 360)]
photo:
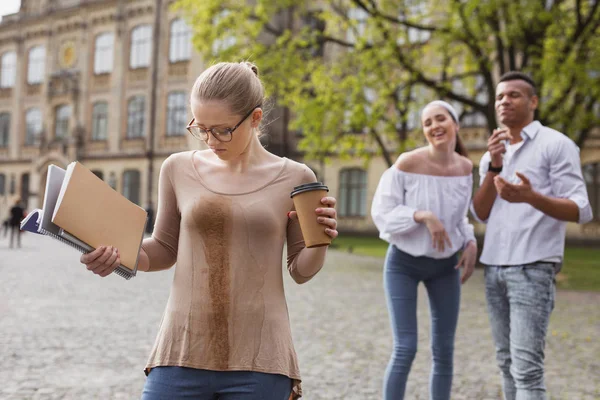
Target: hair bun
[(253, 67)]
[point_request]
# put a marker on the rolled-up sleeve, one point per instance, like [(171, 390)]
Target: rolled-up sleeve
[(484, 164), (388, 211), (567, 180)]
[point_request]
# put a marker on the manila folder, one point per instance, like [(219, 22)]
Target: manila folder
[(91, 210)]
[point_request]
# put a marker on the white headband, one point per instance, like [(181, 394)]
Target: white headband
[(447, 106)]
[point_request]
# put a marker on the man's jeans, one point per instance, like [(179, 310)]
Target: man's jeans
[(520, 300)]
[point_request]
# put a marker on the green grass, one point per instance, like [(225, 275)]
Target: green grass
[(581, 270), (366, 246)]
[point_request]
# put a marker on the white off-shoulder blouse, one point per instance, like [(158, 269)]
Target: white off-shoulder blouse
[(400, 194)]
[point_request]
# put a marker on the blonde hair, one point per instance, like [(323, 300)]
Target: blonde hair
[(236, 84)]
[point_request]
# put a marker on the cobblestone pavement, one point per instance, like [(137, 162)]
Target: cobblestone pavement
[(67, 334)]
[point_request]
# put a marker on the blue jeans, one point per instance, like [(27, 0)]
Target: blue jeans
[(179, 383), (402, 274), (520, 300)]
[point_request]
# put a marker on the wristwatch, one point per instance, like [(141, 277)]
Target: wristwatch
[(496, 170)]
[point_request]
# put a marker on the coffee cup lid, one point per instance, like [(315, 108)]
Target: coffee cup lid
[(307, 187)]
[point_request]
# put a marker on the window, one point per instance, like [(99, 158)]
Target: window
[(36, 66), (418, 10), (176, 114), (99, 174), (222, 44), (591, 174), (358, 28), (99, 120), (104, 51), (135, 117), (141, 47), (180, 48), (25, 188), (8, 70), (13, 185), (476, 118), (131, 185), (2, 184), (476, 179), (4, 129), (61, 124), (353, 193), (33, 126)]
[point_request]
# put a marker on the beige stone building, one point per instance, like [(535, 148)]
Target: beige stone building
[(106, 82)]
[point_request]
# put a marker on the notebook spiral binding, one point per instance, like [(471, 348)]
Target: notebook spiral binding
[(62, 239), (122, 272)]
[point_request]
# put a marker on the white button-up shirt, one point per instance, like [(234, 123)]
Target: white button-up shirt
[(517, 233)]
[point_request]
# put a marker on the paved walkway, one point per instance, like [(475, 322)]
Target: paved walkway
[(67, 334)]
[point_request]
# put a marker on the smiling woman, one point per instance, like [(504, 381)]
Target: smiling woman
[(420, 208)]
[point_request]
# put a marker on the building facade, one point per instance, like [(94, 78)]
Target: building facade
[(106, 82)]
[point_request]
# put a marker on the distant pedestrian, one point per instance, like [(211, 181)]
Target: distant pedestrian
[(17, 212)]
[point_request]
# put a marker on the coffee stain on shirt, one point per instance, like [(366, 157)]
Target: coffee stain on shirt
[(214, 219)]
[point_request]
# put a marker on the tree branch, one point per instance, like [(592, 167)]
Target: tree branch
[(384, 150), (374, 11)]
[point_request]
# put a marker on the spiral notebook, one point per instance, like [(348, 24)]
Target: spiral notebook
[(58, 184)]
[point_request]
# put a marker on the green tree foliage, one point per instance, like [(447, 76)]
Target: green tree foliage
[(355, 73)]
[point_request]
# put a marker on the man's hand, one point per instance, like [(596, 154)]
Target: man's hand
[(496, 146), (515, 193)]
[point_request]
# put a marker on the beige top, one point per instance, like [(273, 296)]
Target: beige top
[(227, 309)]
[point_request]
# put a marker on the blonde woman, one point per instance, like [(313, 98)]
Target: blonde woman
[(420, 208), (224, 215)]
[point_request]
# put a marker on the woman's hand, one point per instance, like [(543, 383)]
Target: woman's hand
[(325, 216), (467, 260), (439, 236), (102, 261)]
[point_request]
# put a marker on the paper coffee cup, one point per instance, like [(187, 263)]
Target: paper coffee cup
[(307, 198)]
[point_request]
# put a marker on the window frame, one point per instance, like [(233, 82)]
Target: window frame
[(32, 138), (136, 121), (104, 53), (140, 46), (180, 41), (349, 188), (96, 120), (8, 79), (5, 121), (35, 76), (62, 121)]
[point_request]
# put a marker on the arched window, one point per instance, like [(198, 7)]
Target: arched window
[(36, 65), (100, 120), (33, 126), (104, 53), (4, 129), (135, 117), (141, 47), (8, 70), (176, 113), (180, 46), (131, 185), (353, 193), (61, 123)]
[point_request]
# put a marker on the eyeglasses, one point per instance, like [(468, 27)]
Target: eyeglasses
[(221, 134)]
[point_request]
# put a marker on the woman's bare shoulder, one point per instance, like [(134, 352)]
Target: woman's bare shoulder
[(410, 161), (465, 165)]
